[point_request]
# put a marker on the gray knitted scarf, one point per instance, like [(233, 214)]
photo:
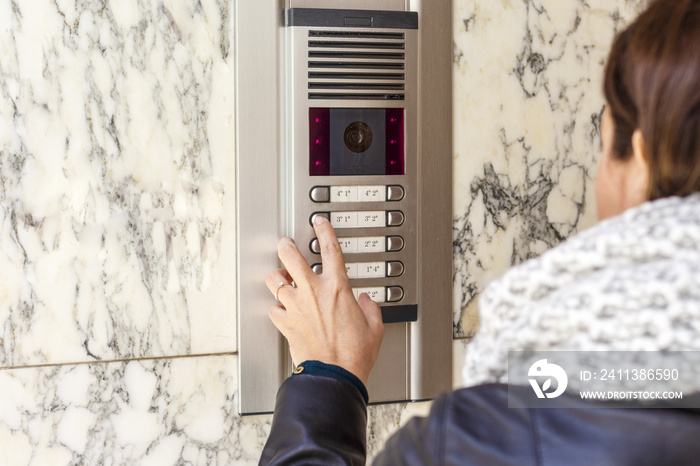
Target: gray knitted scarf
[(630, 283)]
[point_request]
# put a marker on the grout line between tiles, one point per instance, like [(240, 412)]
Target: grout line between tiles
[(146, 358), (109, 361)]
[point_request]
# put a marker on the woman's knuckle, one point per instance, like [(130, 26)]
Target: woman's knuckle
[(331, 248), (286, 247)]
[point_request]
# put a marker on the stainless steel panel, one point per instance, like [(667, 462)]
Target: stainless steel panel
[(262, 362), (431, 336), (392, 365)]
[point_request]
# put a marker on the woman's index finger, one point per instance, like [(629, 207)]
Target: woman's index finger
[(331, 253)]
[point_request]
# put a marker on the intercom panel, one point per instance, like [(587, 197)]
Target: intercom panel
[(352, 135), (346, 113)]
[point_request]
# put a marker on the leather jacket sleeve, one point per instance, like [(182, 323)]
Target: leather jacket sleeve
[(467, 427), (318, 420), (322, 420)]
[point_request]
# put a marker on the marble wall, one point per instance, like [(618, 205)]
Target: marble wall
[(117, 218), (116, 132), (527, 105)]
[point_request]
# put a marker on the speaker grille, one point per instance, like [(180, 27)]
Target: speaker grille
[(356, 65)]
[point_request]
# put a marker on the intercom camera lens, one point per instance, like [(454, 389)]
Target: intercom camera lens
[(358, 136)]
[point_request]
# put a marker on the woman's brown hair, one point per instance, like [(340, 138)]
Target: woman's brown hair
[(652, 83)]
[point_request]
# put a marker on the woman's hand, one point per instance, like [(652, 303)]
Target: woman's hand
[(321, 318)]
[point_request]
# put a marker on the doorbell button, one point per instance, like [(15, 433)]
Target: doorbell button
[(394, 269), (326, 215), (344, 219), (320, 194), (378, 294), (348, 245), (394, 243), (394, 218), (370, 270), (370, 244), (352, 270), (394, 294), (314, 246), (343, 194), (317, 268), (371, 194), (370, 219), (395, 193)]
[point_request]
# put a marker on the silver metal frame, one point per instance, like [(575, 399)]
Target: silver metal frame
[(259, 186), (420, 353)]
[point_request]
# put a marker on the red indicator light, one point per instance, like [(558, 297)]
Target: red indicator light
[(393, 141), (393, 120), (318, 141), (319, 163), (317, 120)]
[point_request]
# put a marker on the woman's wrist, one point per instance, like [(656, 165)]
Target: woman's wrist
[(313, 367)]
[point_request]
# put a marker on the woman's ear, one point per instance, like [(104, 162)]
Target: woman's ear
[(639, 176)]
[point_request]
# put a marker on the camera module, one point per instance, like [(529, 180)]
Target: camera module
[(358, 136)]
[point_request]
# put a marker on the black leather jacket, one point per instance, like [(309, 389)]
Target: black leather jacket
[(322, 421)]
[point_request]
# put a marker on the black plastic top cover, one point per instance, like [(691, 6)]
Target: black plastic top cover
[(314, 17)]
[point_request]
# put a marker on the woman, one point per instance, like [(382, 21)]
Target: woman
[(647, 246)]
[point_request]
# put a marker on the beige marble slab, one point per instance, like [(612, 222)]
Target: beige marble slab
[(527, 108), (117, 219)]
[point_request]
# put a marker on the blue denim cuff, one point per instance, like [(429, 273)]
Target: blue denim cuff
[(329, 370)]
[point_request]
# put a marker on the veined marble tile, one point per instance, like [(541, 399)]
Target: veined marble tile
[(527, 109), (117, 215), (384, 420), (148, 412)]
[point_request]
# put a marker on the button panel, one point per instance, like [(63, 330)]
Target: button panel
[(364, 244), (388, 269), (380, 269), (372, 193), (362, 219), (358, 193)]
